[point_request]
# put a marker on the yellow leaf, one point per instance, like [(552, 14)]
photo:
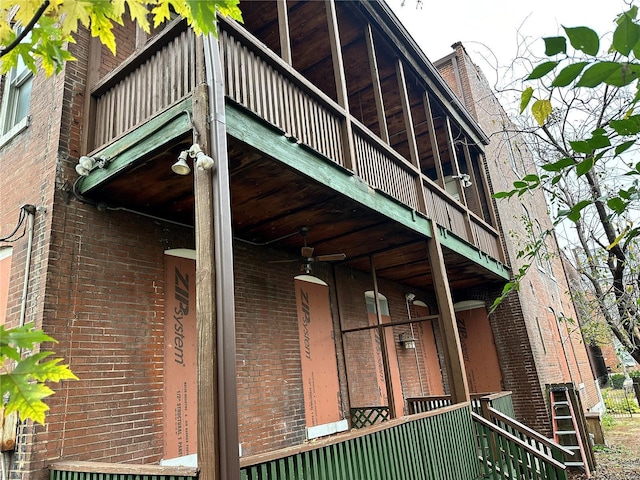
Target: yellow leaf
[(74, 11), (618, 238), (139, 11), (26, 10), (541, 109), (102, 27)]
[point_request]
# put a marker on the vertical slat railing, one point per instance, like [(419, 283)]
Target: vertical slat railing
[(446, 211), (385, 171), (486, 237), (434, 446), (277, 94), (126, 100)]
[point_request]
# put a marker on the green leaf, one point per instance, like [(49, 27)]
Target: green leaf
[(25, 385), (583, 39), (617, 205), (626, 35), (541, 110), (584, 166), (597, 74), (568, 74), (624, 75), (574, 213), (541, 70), (504, 194), (525, 98), (559, 165), (531, 178), (554, 45), (624, 147), (627, 126), (24, 337), (519, 184)]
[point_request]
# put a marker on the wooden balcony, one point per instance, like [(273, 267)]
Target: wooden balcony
[(163, 74)]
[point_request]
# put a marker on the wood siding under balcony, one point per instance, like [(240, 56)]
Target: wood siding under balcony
[(163, 73)]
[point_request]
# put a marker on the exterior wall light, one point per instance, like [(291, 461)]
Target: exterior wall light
[(407, 341), (87, 164), (202, 161), (465, 180), (181, 167)]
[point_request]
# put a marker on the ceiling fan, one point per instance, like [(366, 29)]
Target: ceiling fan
[(307, 258)]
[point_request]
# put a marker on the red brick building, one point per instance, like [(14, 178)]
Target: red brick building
[(332, 270)]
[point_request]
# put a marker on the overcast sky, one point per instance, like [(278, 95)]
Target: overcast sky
[(491, 26)]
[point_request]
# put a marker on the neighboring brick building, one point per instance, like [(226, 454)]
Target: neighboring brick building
[(333, 140), (554, 351)]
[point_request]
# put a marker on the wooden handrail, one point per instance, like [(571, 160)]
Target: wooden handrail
[(123, 468), (512, 438), (527, 431)]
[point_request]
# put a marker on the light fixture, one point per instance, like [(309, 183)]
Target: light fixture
[(407, 341), (202, 160), (87, 164), (181, 167), (465, 180), (410, 297)]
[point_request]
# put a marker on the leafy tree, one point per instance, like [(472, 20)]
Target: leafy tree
[(23, 379), (584, 130), (36, 29)]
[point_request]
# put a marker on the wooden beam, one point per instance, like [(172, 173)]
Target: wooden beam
[(283, 28), (458, 386), (377, 88), (89, 117), (126, 151), (206, 318)]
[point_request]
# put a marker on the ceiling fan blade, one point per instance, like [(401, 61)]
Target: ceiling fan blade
[(291, 260), (334, 257), (307, 252)]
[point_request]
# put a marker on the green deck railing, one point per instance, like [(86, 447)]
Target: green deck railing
[(433, 445), (505, 456)]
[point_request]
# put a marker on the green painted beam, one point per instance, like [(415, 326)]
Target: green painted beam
[(250, 129), (169, 125)]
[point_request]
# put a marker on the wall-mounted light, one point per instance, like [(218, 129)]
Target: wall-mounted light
[(181, 167), (202, 161), (87, 164), (465, 180), (407, 341)]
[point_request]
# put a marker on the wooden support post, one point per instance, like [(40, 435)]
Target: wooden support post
[(411, 134), (435, 151), (377, 88), (459, 389), (341, 86), (383, 344), (456, 172), (283, 27), (208, 443), (89, 117)]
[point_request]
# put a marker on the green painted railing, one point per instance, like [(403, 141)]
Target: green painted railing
[(506, 457), (501, 401), (433, 445)]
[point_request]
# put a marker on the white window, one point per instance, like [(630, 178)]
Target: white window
[(15, 98)]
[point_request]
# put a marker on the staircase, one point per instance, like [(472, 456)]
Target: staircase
[(565, 428)]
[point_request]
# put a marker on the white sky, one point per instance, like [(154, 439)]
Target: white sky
[(485, 26)]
